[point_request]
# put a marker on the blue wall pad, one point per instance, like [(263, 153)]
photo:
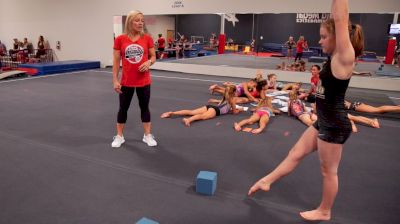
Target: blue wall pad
[(388, 73), (206, 53), (368, 54), (271, 47), (369, 59), (317, 59), (145, 220), (206, 182), (60, 66)]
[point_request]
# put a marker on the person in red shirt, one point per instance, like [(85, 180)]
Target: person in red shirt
[(136, 50), (161, 45), (300, 46), (309, 96)]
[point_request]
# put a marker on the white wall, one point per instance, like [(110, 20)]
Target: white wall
[(117, 25), (85, 27)]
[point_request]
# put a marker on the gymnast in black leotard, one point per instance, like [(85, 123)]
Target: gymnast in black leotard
[(333, 125), (343, 42)]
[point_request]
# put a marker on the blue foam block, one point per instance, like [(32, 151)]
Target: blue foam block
[(145, 220), (206, 182)]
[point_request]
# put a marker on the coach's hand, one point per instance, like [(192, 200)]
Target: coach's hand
[(145, 66), (117, 86)]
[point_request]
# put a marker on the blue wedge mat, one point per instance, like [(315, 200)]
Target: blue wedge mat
[(58, 67)]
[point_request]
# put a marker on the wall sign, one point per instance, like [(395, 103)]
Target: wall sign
[(177, 4), (311, 17)]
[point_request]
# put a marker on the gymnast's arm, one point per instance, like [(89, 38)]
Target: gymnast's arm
[(343, 57)]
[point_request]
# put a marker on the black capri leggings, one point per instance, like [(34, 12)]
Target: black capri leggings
[(125, 98), (298, 56)]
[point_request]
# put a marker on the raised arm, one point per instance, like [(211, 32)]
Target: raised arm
[(343, 57)]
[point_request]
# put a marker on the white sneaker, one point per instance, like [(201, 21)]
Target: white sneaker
[(118, 141), (149, 140)]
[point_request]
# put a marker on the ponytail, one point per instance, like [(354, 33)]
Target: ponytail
[(355, 32), (357, 38)]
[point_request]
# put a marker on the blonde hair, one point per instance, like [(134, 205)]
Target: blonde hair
[(266, 102), (355, 32), (269, 76), (259, 75), (128, 23), (229, 93), (292, 96)]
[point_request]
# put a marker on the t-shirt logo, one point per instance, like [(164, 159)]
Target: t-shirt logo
[(320, 90), (134, 53)]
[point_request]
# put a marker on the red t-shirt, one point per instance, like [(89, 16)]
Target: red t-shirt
[(299, 46), (161, 42), (133, 54), (314, 83), (255, 93)]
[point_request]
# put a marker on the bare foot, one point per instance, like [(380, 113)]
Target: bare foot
[(375, 123), (211, 88), (315, 215), (262, 184), (237, 126), (256, 131), (166, 114), (186, 121)]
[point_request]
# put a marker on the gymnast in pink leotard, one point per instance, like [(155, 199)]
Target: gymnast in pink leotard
[(262, 113)]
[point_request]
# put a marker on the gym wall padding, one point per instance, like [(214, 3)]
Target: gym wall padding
[(276, 28), (198, 25)]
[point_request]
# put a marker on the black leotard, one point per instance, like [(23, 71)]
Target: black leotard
[(333, 124)]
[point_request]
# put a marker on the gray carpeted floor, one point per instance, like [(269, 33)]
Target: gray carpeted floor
[(57, 166)]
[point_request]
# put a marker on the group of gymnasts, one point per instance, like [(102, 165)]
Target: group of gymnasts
[(259, 92)]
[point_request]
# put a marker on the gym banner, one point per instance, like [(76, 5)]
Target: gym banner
[(311, 17)]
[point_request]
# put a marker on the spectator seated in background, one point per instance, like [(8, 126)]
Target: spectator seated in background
[(41, 47), (302, 66), (230, 42), (296, 66), (28, 46), (16, 46)]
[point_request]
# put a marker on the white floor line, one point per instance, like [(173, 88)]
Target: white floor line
[(174, 77)]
